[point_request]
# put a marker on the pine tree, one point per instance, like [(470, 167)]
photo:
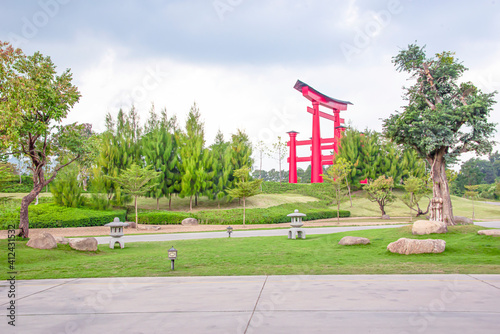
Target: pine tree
[(191, 154), (221, 167), (160, 151), (120, 148)]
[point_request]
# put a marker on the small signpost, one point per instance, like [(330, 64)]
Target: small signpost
[(172, 255)]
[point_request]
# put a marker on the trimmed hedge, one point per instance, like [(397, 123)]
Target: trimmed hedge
[(52, 215), (323, 191), (162, 217), (272, 215)]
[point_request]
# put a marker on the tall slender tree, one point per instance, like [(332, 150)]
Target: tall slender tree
[(191, 154), (160, 151)]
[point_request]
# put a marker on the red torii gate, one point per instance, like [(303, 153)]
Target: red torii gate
[(317, 159)]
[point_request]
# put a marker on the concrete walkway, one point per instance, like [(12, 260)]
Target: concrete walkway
[(255, 233), (382, 304)]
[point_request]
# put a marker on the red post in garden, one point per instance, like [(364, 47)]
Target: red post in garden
[(292, 174), (317, 159)]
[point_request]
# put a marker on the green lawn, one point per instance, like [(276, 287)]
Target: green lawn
[(466, 252), (362, 207)]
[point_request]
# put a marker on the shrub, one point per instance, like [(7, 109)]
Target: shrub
[(319, 190), (52, 215), (13, 186), (66, 188), (162, 217)]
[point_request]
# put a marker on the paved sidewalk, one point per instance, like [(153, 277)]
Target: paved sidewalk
[(238, 234), (258, 304)]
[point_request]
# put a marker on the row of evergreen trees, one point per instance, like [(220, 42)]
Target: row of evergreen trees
[(188, 168)]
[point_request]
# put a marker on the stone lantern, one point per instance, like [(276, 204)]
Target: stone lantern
[(296, 224), (116, 233)]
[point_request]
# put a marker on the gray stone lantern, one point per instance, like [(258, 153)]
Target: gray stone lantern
[(296, 224), (116, 233), (229, 230)]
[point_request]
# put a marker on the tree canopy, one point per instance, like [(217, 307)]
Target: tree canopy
[(34, 100), (443, 118)]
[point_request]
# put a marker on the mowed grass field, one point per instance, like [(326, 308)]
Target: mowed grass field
[(362, 207), (466, 252)]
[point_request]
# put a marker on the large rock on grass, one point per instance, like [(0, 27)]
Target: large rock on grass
[(421, 227), (414, 246), (494, 233), (463, 220), (347, 241), (83, 244), (43, 241), (189, 222)]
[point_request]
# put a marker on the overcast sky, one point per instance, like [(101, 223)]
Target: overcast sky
[(239, 59)]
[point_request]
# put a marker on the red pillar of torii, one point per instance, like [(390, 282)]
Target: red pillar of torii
[(317, 158)]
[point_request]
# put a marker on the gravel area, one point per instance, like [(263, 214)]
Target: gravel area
[(150, 229)]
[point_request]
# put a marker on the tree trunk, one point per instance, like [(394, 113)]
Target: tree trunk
[(136, 220), (411, 205), (381, 206), (24, 214), (349, 190), (196, 200), (191, 203), (279, 162), (157, 204), (338, 212), (244, 207), (440, 187), (473, 217), (170, 203)]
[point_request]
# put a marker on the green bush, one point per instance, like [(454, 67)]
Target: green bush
[(66, 189), (52, 215), (322, 191), (272, 215), (13, 186), (162, 217)]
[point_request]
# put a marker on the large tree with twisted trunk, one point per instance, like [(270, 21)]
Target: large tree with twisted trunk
[(443, 118), (34, 100)]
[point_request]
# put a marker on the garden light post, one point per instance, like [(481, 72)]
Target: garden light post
[(229, 231), (172, 255)]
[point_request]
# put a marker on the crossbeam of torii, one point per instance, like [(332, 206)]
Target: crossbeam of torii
[(317, 158)]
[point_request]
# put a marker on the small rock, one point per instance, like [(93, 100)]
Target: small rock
[(43, 241), (421, 227), (494, 233), (463, 220), (131, 225), (385, 217), (62, 240), (149, 228), (83, 244), (189, 222), (346, 241), (414, 246)]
